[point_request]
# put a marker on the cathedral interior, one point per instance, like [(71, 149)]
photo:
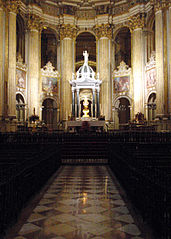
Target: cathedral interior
[(85, 119)]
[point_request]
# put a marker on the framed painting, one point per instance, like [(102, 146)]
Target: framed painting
[(121, 83), (49, 84), (151, 77), (20, 78)]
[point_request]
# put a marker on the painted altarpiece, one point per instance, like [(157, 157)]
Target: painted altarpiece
[(121, 88), (50, 90), (150, 81), (21, 90)]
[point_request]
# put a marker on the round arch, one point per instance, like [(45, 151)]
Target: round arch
[(51, 28), (117, 29), (20, 107), (122, 111), (82, 31), (151, 106)]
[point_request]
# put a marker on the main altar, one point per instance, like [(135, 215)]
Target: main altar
[(85, 86)]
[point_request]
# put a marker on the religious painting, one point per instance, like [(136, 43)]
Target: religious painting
[(49, 84), (20, 78), (151, 77), (121, 83)]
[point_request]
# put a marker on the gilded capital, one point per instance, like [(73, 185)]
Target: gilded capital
[(12, 5), (160, 4), (137, 21), (104, 30), (1, 4), (34, 22), (67, 31)]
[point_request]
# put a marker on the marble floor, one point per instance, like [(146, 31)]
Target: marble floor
[(82, 202)]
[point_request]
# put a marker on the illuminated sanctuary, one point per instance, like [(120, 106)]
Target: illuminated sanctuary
[(41, 62), (85, 119)]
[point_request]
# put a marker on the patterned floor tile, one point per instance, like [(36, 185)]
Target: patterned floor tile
[(19, 237), (94, 217), (49, 195), (84, 203), (42, 209), (59, 230), (136, 238), (125, 218), (29, 228), (46, 201), (131, 229), (35, 217), (65, 209), (95, 209), (58, 237), (123, 210), (62, 218)]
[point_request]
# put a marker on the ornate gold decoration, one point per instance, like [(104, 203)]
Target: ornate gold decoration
[(67, 31), (104, 30), (13, 5), (137, 21), (1, 4), (160, 4), (34, 22)]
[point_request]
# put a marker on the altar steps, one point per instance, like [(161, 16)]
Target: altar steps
[(85, 152)]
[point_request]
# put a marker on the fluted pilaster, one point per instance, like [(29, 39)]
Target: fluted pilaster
[(169, 60), (104, 34), (33, 24), (138, 51), (1, 60), (67, 36), (161, 28), (12, 7)]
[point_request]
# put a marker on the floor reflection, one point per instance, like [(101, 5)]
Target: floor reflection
[(83, 202)]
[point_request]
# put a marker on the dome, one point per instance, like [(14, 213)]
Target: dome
[(85, 71)]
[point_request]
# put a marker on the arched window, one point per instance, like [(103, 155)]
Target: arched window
[(86, 41), (123, 47), (48, 47), (20, 31)]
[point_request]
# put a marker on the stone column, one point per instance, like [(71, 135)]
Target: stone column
[(1, 60), (73, 103), (162, 60), (94, 103), (104, 33), (97, 99), (169, 54), (78, 103), (138, 51), (12, 11), (33, 64), (67, 35)]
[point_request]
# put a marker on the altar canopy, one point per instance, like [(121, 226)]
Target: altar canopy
[(85, 79)]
